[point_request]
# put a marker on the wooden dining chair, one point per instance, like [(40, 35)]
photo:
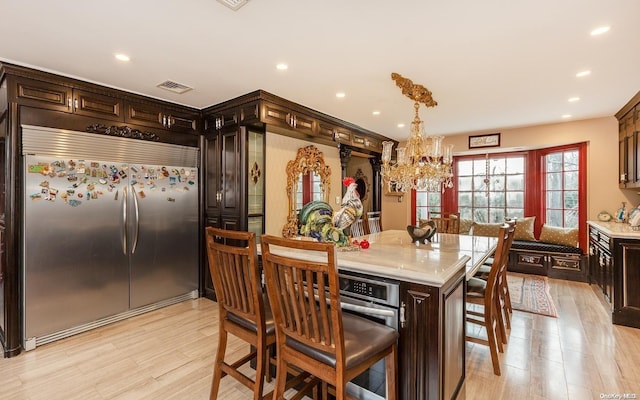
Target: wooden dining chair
[(503, 285), (357, 228), (485, 293), (448, 223), (243, 308), (312, 332), (374, 224)]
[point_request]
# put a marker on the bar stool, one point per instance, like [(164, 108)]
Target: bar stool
[(357, 228), (373, 222), (312, 333), (244, 310), (503, 286), (486, 294)]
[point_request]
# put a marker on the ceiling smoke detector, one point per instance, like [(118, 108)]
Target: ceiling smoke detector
[(174, 87), (234, 4)]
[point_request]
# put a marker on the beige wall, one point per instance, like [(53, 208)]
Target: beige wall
[(601, 134), (279, 151)]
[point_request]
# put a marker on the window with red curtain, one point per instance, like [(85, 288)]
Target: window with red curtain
[(548, 183)]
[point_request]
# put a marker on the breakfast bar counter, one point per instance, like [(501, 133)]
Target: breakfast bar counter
[(393, 255), (430, 302)]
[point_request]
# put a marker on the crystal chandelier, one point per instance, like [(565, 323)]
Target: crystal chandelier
[(425, 163)]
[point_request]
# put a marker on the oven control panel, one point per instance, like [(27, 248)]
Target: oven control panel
[(379, 291)]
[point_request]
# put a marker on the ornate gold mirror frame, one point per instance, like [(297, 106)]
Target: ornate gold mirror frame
[(309, 159)]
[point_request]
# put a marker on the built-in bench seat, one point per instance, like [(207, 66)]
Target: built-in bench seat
[(553, 260), (531, 256)]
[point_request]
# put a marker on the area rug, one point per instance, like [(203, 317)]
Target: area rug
[(530, 293)]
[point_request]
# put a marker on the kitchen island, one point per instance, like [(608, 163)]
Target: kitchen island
[(430, 301)]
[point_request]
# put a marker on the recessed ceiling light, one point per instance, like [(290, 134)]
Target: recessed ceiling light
[(376, 113), (340, 95), (573, 99), (282, 66), (600, 30), (566, 116), (400, 125), (583, 73), (122, 57)]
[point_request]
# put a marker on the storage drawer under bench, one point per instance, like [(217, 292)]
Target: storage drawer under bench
[(553, 260)]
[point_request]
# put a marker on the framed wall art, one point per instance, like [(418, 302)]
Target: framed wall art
[(479, 141)]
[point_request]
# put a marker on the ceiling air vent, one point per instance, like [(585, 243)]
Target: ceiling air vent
[(233, 4), (174, 87)]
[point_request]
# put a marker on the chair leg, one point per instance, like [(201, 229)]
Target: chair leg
[(493, 343), (501, 322), (281, 379), (262, 363), (390, 367), (217, 366)]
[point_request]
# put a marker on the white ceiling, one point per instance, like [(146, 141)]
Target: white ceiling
[(490, 64)]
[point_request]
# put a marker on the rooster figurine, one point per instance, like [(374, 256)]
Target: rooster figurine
[(318, 220), (351, 206)]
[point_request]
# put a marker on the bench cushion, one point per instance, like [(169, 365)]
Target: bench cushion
[(524, 229), (557, 235), (544, 247)]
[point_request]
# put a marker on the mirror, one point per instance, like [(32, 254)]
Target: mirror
[(363, 184), (309, 162)]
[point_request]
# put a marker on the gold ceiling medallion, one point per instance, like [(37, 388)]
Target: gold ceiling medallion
[(424, 163)]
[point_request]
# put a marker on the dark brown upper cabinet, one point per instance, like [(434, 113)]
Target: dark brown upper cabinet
[(159, 116), (277, 115), (51, 96)]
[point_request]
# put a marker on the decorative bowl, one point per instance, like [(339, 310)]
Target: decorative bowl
[(422, 233)]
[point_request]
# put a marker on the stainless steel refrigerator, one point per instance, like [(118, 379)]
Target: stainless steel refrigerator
[(110, 229)]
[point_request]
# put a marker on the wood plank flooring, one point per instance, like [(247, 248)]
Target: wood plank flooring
[(168, 354)]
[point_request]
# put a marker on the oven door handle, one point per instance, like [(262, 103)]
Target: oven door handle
[(367, 310)]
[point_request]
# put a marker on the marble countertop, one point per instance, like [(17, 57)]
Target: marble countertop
[(393, 255), (616, 229)]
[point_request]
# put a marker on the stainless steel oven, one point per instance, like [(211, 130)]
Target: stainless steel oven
[(376, 299)]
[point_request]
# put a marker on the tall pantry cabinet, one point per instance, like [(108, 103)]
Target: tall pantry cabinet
[(234, 145)]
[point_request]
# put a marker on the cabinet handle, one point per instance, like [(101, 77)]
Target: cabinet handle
[(403, 321), (75, 103), (169, 123), (69, 103)]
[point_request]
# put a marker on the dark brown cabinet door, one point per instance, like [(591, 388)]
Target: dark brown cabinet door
[(274, 114), (34, 93), (56, 97), (417, 360), (224, 119), (626, 281), (158, 116), (223, 188), (97, 105), (223, 174)]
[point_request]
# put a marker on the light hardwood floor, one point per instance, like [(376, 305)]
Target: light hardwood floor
[(168, 354)]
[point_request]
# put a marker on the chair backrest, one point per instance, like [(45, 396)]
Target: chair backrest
[(235, 275), (500, 260), (373, 221), (357, 228), (304, 295), (448, 223)]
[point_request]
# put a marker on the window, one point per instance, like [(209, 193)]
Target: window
[(547, 183), (427, 204), (561, 180), (491, 188), (308, 189)]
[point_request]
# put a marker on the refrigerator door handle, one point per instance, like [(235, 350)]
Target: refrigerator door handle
[(124, 220), (137, 221)]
